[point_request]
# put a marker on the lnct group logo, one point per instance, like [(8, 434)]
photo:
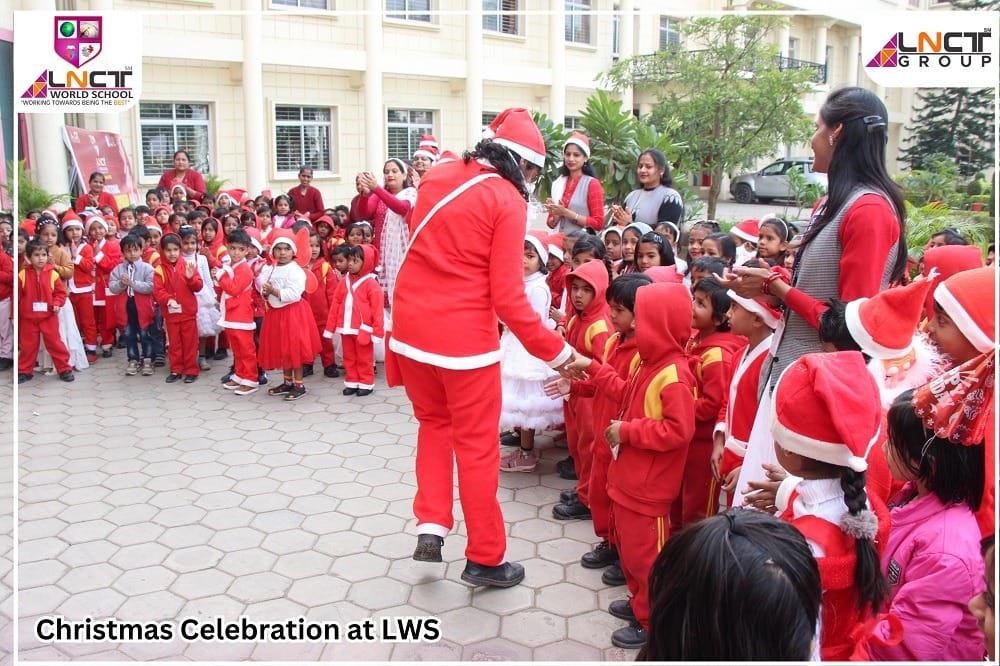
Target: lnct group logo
[(78, 38)]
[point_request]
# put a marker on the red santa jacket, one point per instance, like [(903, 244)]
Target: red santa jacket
[(236, 284), (357, 303), (623, 357), (657, 409), (82, 281), (105, 199), (711, 359), (259, 304), (588, 331), (327, 280), (6, 276), (39, 287), (107, 255), (452, 287), (170, 281), (739, 409)]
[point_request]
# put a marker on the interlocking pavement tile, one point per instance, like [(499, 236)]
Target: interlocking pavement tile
[(154, 651), (248, 561), (360, 566), (469, 625), (503, 602), (379, 593), (236, 538), (95, 603), (193, 558), (443, 650), (303, 564), (496, 649), (274, 610), (340, 544), (289, 541), (215, 605), (37, 574), (259, 587), (357, 652), (567, 651), (563, 551), (185, 536), (145, 579), (90, 577), (82, 554), (222, 499), (440, 595), (197, 584), (318, 591), (44, 599), (565, 599), (281, 652), (540, 573)]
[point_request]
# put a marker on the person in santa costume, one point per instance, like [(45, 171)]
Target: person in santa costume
[(236, 282), (356, 314), (107, 255), (462, 270), (426, 154)]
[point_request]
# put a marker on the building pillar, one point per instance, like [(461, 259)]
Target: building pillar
[(626, 46), (254, 130), (784, 34), (374, 116), (557, 60), (474, 76)]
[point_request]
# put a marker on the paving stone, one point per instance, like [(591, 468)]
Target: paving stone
[(193, 558), (154, 606), (467, 626), (37, 574), (145, 579), (223, 499), (318, 591), (197, 584), (248, 561), (303, 564), (185, 536), (360, 566), (496, 649), (533, 628), (379, 593), (140, 555), (259, 587), (440, 595), (442, 650), (94, 603), (90, 577), (567, 651)]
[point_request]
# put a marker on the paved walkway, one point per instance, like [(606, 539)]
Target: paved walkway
[(6, 517), (155, 501)]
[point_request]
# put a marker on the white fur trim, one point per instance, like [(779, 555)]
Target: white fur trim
[(852, 317), (328, 334), (420, 152), (966, 324), (753, 306), (447, 362), (556, 251), (536, 158), (739, 233), (785, 490), (539, 248), (579, 144), (737, 446), (432, 528)]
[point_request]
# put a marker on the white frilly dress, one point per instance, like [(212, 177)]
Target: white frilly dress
[(523, 376)]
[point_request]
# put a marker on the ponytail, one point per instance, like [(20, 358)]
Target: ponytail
[(861, 524)]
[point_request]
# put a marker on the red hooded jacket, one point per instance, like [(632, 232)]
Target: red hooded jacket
[(588, 331), (39, 287), (170, 281), (357, 303), (236, 283)]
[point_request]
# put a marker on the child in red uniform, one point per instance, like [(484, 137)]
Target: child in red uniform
[(6, 315), (319, 301), (175, 283), (826, 415), (81, 285), (107, 255), (754, 319), (648, 440), (587, 331), (357, 314), (712, 351), (40, 295), (235, 280)]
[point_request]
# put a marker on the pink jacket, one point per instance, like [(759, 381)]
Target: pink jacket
[(934, 567)]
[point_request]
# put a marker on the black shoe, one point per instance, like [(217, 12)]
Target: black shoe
[(6, 363), (190, 379), (507, 574), (121, 343), (226, 377), (566, 469), (296, 392), (280, 389), (363, 392), (262, 378), (510, 438), (308, 370), (66, 375), (172, 377), (567, 496), (159, 362), (631, 637), (106, 353), (603, 555), (428, 548), (350, 390), (622, 609), (219, 355), (21, 378), (331, 371), (613, 575), (575, 511)]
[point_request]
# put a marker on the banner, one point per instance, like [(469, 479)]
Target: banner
[(103, 152)]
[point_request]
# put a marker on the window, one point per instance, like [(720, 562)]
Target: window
[(409, 10), (302, 4), (670, 32), (302, 137), (488, 117), (578, 21), (616, 27), (571, 123), (497, 16), (403, 131), (165, 128), (793, 48)]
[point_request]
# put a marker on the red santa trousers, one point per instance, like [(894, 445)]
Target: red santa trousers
[(27, 337), (244, 356), (699, 491), (182, 337), (639, 539), (578, 412), (86, 321), (326, 352), (597, 489), (359, 362), (459, 415), (107, 325)]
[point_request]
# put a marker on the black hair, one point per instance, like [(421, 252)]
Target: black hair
[(530, 246), (355, 252), (220, 212), (126, 208), (406, 169), (351, 227), (953, 472), (239, 236), (588, 168), (283, 197), (155, 191), (329, 223), (720, 300), (142, 231), (300, 224), (131, 240), (660, 160), (662, 246), (305, 168), (261, 199), (710, 226), (623, 288), (715, 580), (343, 249), (170, 239), (951, 237), (594, 245), (195, 215), (182, 216), (187, 232), (782, 229), (184, 153), (727, 246), (859, 159), (261, 210), (34, 246), (668, 228), (141, 208), (714, 265), (248, 218), (501, 158), (868, 579), (179, 206), (833, 327), (96, 173)]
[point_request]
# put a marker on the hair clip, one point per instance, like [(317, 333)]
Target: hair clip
[(871, 122)]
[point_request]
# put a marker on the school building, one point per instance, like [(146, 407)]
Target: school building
[(255, 88)]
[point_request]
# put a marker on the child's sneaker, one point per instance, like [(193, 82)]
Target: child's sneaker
[(280, 389), (147, 368), (519, 461), (231, 385), (133, 368), (247, 390), (203, 363), (296, 392), (22, 377), (66, 375)]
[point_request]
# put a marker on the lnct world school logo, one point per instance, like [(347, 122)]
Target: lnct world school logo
[(77, 39)]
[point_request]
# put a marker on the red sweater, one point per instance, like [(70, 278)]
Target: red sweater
[(105, 199), (712, 359), (107, 255), (39, 287), (311, 202), (192, 180), (169, 281), (6, 276), (320, 299), (452, 286), (374, 206)]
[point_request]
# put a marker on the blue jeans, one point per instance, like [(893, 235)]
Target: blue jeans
[(155, 332), (136, 336)]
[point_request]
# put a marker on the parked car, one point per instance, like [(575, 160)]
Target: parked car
[(771, 182)]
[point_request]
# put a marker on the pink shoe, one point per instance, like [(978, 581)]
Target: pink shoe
[(519, 461)]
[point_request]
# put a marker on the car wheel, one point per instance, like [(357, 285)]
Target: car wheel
[(743, 193)]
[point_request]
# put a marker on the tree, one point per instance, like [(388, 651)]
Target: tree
[(732, 100), (956, 122)]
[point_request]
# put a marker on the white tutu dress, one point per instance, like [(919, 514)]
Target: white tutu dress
[(71, 337), (523, 376)]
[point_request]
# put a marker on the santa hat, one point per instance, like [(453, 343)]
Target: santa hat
[(555, 245), (538, 241), (159, 208), (969, 298), (826, 407), (153, 226), (673, 227), (97, 220), (515, 130), (940, 263), (282, 239), (254, 234), (428, 148), (747, 230), (71, 219), (666, 274), (884, 324), (771, 314), (581, 141), (180, 187)]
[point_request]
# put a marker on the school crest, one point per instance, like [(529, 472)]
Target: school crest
[(77, 39)]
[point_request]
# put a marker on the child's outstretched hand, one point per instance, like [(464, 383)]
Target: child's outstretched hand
[(613, 434), (557, 388), (577, 366), (189, 269), (762, 494), (729, 484)]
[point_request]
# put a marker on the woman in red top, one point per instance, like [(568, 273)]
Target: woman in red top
[(306, 198), (183, 174), (577, 199), (96, 197)]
